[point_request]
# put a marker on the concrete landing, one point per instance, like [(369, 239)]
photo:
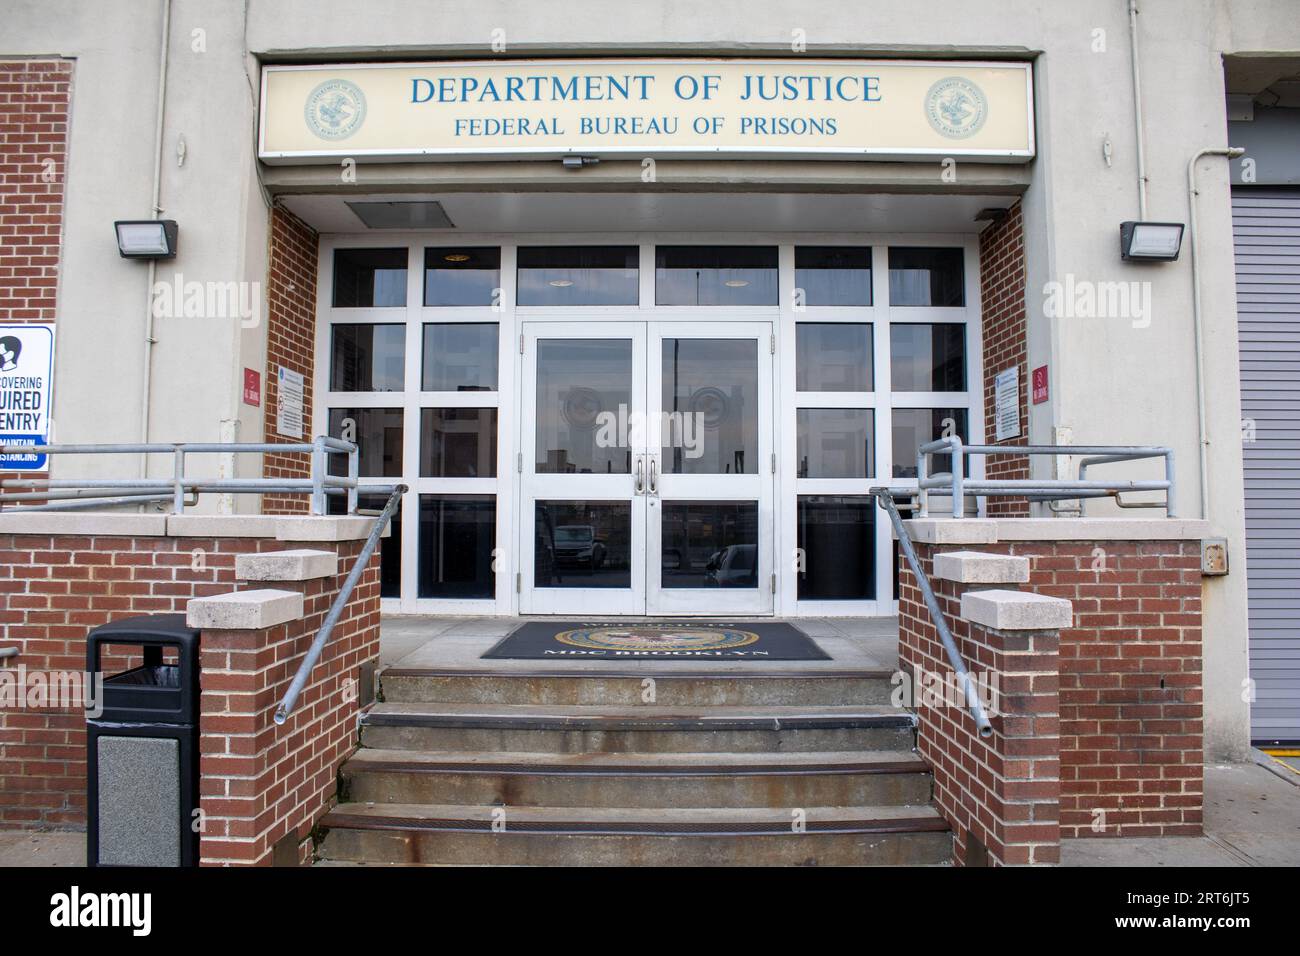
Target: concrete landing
[(457, 643)]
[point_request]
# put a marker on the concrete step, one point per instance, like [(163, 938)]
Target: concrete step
[(630, 729), (677, 689), (773, 780), (594, 836)]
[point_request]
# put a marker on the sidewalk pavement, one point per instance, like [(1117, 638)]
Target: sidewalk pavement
[(1252, 818)]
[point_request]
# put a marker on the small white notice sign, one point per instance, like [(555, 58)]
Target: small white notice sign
[(289, 402), (1006, 401)]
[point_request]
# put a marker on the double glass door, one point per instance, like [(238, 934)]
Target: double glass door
[(646, 468)]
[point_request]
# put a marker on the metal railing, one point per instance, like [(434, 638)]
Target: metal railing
[(66, 494), (885, 498), (336, 609), (61, 494), (959, 485)]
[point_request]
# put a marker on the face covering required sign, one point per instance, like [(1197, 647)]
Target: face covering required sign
[(26, 371)]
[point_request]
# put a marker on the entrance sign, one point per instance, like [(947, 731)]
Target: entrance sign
[(786, 109), (26, 374)]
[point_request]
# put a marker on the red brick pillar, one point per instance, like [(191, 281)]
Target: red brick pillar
[(263, 786), (1001, 794)]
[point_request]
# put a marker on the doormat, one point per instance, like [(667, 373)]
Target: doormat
[(667, 641)]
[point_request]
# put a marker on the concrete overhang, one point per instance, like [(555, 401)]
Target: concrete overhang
[(743, 212)]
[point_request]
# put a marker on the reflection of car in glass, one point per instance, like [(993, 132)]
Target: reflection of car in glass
[(576, 547), (735, 566)]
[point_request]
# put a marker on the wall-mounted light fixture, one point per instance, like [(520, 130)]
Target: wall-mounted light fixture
[(146, 238), (1150, 241)]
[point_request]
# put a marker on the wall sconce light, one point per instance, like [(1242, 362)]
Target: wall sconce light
[(147, 238), (1150, 241)]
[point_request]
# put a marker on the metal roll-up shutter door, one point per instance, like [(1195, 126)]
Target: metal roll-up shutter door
[(1266, 234)]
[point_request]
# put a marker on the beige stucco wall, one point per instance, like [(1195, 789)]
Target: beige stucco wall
[(1111, 382)]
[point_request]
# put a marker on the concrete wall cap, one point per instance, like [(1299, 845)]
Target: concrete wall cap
[(222, 526), (300, 564), (82, 523), (976, 567), (952, 530), (1102, 529), (1016, 610), (244, 610), (326, 527)]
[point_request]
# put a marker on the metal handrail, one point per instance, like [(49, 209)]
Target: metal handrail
[(959, 485), (336, 609), (76, 493), (885, 498)]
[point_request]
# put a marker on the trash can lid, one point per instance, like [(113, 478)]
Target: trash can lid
[(158, 626)]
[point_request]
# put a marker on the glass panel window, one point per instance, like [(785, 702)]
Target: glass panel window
[(913, 427), (925, 357), (715, 275), (921, 276), (377, 433), (836, 443), (390, 548), (710, 400), (368, 358), (833, 357), (369, 278), (582, 544), (457, 275), (458, 442), (838, 542), (833, 275), (710, 544), (578, 275), (460, 357), (581, 386), (457, 535)]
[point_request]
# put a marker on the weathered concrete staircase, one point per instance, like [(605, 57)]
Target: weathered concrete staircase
[(461, 767)]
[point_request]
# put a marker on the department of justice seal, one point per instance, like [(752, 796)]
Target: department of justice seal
[(335, 109), (956, 107)]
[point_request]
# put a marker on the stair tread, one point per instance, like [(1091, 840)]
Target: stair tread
[(378, 760), (751, 820), (560, 670), (578, 713)]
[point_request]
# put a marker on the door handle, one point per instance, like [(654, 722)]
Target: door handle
[(654, 474), (640, 475)]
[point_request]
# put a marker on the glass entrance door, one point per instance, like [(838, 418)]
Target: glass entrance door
[(646, 474)]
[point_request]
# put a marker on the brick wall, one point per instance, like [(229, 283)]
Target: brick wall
[(1001, 794), (35, 98), (261, 783), (1131, 684), (57, 587), (1002, 302), (1130, 678), (290, 342)]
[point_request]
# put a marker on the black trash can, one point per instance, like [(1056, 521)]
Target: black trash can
[(142, 785)]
